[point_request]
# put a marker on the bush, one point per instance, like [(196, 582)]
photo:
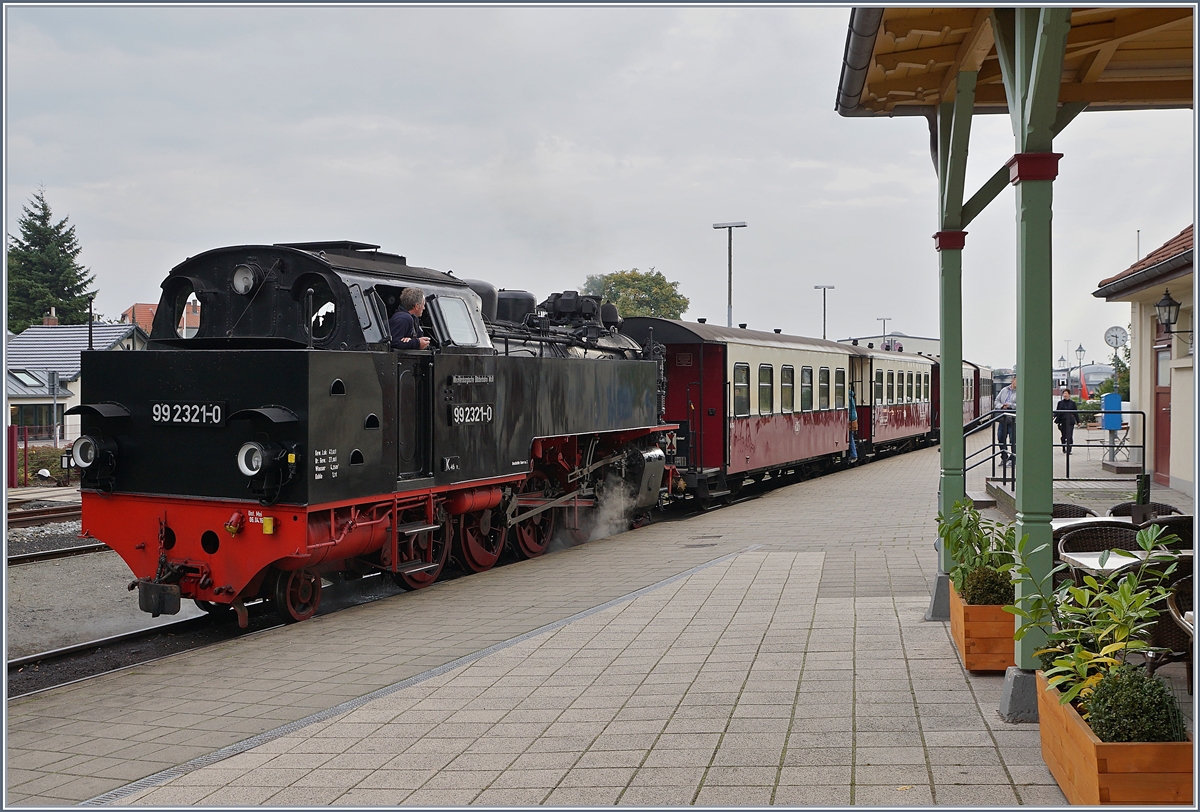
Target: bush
[(41, 456), (986, 586), (1128, 705)]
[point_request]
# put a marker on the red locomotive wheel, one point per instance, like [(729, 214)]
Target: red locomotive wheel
[(430, 548), (297, 595), (480, 540), (533, 535)]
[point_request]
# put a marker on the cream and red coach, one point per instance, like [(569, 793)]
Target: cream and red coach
[(270, 434)]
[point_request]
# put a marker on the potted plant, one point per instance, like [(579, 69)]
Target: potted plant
[(980, 586), (1110, 733)]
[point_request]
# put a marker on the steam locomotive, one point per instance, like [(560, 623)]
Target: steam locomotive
[(281, 438)]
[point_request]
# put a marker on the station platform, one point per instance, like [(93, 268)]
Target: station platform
[(770, 652)]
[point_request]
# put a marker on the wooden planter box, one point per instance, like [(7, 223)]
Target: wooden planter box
[(983, 634), (1093, 772)]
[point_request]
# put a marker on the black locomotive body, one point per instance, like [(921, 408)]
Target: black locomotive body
[(271, 434)]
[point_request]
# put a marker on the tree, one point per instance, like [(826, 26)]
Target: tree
[(43, 271), (638, 293)]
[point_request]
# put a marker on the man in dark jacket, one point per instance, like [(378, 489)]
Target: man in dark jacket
[(1065, 415), (405, 323)]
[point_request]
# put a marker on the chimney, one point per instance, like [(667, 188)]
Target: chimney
[(50, 320)]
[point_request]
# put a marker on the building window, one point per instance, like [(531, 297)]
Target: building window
[(1163, 373), (787, 389), (891, 387), (839, 389), (741, 390), (766, 389), (879, 387), (823, 388), (806, 400)]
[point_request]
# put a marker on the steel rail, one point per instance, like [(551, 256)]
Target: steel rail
[(36, 516), (186, 624), (62, 552)]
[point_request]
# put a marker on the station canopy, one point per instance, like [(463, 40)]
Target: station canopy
[(904, 61)]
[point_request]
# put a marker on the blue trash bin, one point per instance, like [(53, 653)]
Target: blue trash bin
[(1110, 403)]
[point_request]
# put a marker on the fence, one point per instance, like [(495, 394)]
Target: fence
[(33, 448)]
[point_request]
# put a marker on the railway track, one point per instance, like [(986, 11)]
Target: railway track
[(47, 515), (62, 552)]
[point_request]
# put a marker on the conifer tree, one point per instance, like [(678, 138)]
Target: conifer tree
[(43, 271)]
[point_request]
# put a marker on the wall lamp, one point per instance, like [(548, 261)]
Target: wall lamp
[(1168, 313)]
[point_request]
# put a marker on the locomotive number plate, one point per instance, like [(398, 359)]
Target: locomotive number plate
[(192, 414), (471, 413)]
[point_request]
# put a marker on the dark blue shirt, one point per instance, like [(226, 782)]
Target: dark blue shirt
[(405, 330)]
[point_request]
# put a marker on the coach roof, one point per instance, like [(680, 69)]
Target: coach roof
[(673, 331)]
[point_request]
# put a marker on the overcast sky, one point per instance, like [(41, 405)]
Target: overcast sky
[(534, 146)]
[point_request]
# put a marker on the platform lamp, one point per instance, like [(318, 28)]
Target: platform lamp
[(731, 227), (1062, 364), (823, 289), (1080, 352)]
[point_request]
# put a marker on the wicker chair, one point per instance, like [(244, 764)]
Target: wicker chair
[(1095, 538), (1181, 526), (1169, 633), (1178, 602), (1062, 531), (1158, 508), (1065, 510)]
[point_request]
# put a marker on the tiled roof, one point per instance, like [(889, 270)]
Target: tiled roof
[(57, 347), (1173, 247), (140, 314), (20, 385)]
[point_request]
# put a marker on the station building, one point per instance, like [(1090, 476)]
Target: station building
[(1161, 354)]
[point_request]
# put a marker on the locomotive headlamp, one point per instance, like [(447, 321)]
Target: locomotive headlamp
[(250, 459), (245, 279), (84, 452)]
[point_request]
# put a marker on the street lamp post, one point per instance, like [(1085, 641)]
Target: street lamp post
[(1062, 364), (731, 227), (1079, 353), (885, 320), (823, 288)]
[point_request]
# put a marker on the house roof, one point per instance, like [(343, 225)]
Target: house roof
[(57, 347), (905, 61), (31, 383), (1172, 259)]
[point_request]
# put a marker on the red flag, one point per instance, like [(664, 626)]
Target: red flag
[(1083, 392)]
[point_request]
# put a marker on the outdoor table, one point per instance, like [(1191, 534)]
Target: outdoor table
[(1090, 562), (1058, 524)]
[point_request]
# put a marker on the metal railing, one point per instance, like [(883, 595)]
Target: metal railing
[(1006, 452)]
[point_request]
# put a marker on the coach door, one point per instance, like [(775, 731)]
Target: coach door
[(412, 418)]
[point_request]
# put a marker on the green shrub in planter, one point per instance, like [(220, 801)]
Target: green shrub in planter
[(1128, 705), (987, 586), (976, 543)]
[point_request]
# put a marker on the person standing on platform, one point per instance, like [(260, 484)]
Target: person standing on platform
[(1006, 403), (853, 427), (1066, 416)]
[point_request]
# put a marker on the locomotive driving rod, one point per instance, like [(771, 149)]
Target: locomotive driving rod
[(520, 502)]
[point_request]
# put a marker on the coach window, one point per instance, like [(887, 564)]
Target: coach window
[(741, 390), (839, 389), (787, 389), (909, 388), (891, 388), (926, 387), (766, 389), (879, 387), (823, 388), (806, 389)]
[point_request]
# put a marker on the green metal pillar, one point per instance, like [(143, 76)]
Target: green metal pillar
[(1030, 44), (953, 138)]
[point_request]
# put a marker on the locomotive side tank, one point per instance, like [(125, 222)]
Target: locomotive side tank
[(278, 436)]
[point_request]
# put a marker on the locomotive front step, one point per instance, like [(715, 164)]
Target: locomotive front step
[(413, 528)]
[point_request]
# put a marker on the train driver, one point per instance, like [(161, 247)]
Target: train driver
[(405, 323)]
